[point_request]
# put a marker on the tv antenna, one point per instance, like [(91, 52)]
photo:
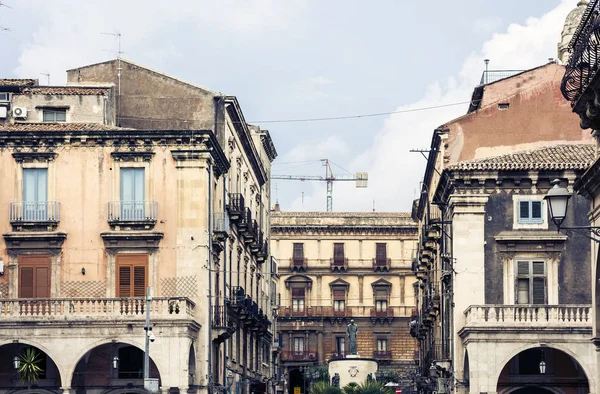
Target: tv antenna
[(361, 179), (47, 75), (117, 37), (2, 28)]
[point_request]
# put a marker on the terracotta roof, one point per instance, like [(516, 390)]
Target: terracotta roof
[(58, 127), (17, 82), (67, 90), (557, 157), (341, 214)]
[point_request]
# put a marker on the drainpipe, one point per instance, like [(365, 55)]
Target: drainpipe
[(210, 273), (224, 281)]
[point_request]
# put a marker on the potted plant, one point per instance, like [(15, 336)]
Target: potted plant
[(29, 369)]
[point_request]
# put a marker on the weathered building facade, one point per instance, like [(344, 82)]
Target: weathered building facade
[(96, 213), (499, 290), (338, 267)]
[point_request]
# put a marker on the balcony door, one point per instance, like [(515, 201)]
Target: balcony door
[(132, 271), (132, 194), (35, 194), (34, 277)]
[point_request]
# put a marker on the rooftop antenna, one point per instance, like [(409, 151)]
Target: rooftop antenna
[(487, 63), (117, 37), (2, 28), (373, 205), (47, 75)]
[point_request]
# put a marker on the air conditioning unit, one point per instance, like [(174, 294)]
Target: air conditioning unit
[(3, 112), (19, 112)]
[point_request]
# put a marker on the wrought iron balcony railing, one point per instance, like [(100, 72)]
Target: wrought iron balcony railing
[(583, 64), (382, 264), (338, 263), (34, 212), (132, 211), (388, 312), (299, 355), (382, 354), (236, 205), (298, 263)]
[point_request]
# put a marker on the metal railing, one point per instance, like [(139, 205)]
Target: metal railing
[(298, 262), (380, 263), (220, 222), (583, 64), (34, 211), (350, 311), (236, 203), (496, 75), (299, 355), (529, 315), (339, 263), (389, 312), (132, 211), (95, 308), (382, 354)]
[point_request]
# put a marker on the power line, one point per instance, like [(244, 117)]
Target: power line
[(299, 120)]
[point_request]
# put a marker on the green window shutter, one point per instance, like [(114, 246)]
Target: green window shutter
[(539, 291)]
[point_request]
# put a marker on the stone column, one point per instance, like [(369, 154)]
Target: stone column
[(468, 235), (320, 347)]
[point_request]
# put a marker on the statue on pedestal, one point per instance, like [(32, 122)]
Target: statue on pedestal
[(352, 332)]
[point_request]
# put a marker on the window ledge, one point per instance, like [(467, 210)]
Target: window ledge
[(530, 236)]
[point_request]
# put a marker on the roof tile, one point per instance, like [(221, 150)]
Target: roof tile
[(58, 127), (17, 82), (557, 157), (67, 90)]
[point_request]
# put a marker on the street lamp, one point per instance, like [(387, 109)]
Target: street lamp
[(115, 362), (229, 379), (16, 362), (558, 202), (543, 364)]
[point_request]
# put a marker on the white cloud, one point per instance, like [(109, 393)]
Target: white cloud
[(69, 34), (486, 25), (314, 88), (328, 147), (394, 173)]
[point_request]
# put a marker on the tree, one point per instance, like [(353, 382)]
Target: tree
[(351, 388), (373, 387), (323, 387), (29, 370)]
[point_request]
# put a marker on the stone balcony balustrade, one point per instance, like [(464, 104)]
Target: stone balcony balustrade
[(525, 316)]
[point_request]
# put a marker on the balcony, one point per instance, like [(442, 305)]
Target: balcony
[(337, 356), (35, 215), (529, 316), (298, 264), (382, 354), (338, 264), (382, 314), (98, 309), (580, 84), (132, 214), (221, 229), (382, 264), (301, 355), (236, 206)]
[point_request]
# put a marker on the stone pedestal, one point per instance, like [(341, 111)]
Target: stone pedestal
[(352, 369)]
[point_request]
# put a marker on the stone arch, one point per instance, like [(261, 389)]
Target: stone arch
[(192, 365), (585, 368), (100, 354), (44, 349), (93, 345), (126, 390), (555, 355)]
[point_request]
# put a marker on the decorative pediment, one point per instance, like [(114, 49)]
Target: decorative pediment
[(40, 241), (381, 283), (132, 156), (298, 281), (339, 283), (115, 241), (34, 157)]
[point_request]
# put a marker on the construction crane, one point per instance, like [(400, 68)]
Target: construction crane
[(361, 179)]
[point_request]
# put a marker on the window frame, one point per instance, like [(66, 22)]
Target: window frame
[(529, 222), (384, 341), (339, 253), (132, 261), (5, 100), (530, 219), (54, 112), (531, 277)]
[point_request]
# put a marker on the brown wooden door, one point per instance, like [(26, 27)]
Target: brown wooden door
[(132, 273), (34, 277)]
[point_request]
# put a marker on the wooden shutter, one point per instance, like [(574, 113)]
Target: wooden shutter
[(536, 211), (298, 251), (523, 268), (298, 292), (338, 251), (381, 294), (34, 276), (380, 253), (538, 290), (132, 275), (339, 295), (523, 211)]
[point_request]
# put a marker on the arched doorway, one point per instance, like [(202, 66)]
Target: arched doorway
[(48, 380), (542, 370), (297, 383), (116, 365)]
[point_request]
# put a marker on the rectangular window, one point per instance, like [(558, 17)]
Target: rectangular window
[(338, 254), (530, 212), (381, 305), (55, 115), (34, 277), (298, 254), (531, 282), (132, 194), (298, 300), (339, 300), (35, 194), (4, 97), (381, 254), (340, 346), (382, 344), (132, 272), (298, 344)]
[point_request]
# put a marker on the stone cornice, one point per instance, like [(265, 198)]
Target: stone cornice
[(126, 142), (337, 230), (34, 157), (132, 156), (589, 183), (40, 240)]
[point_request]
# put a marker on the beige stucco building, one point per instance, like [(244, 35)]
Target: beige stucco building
[(335, 267), (92, 214)]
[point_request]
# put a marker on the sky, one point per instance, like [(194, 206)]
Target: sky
[(305, 59)]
